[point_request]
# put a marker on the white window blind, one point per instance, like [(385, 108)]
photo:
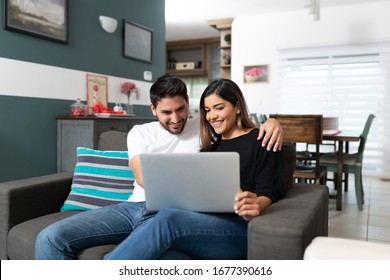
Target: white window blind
[(348, 82)]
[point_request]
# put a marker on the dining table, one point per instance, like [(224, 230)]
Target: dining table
[(341, 137)]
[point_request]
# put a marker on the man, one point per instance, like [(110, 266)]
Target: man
[(173, 132)]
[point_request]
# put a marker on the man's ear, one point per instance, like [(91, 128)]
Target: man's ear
[(153, 109)]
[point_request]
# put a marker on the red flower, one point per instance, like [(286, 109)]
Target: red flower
[(96, 88), (127, 87)]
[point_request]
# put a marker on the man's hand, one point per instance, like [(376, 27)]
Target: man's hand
[(273, 135)]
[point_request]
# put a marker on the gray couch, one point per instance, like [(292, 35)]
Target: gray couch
[(282, 231)]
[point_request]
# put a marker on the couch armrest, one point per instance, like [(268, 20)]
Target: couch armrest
[(23, 200), (286, 228)]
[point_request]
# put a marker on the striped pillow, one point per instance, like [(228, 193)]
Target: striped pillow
[(100, 178)]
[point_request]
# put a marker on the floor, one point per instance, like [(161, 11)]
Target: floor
[(371, 224)]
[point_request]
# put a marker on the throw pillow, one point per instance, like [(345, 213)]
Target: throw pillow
[(100, 178)]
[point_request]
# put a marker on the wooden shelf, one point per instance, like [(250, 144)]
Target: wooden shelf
[(186, 72), (224, 27), (197, 51)]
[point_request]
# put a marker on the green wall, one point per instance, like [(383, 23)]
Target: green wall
[(28, 125)]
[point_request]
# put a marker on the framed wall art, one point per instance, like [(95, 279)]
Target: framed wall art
[(138, 41), (96, 91), (256, 73), (47, 19)]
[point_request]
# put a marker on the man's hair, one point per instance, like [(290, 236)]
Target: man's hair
[(167, 86)]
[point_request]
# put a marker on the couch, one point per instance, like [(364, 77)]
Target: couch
[(283, 231)]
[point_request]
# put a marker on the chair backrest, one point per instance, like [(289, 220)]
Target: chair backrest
[(306, 129), (364, 136), (301, 128)]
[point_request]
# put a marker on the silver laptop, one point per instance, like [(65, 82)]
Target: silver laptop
[(202, 182)]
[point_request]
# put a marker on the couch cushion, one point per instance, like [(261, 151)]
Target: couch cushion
[(113, 141), (100, 178), (21, 238)]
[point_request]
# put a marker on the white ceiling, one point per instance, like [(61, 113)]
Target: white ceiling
[(187, 19)]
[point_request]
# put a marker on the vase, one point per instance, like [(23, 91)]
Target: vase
[(129, 107)]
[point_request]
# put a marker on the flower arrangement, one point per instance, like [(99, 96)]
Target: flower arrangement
[(128, 88)]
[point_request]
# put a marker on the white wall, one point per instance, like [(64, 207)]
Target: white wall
[(256, 40), (19, 78)]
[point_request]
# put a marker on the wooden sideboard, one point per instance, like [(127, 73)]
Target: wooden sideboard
[(73, 132)]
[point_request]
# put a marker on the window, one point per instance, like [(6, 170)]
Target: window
[(348, 82), (195, 87)]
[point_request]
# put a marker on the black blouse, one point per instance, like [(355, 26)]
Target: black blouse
[(260, 170)]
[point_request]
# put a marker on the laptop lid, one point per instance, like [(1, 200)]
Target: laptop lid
[(203, 182)]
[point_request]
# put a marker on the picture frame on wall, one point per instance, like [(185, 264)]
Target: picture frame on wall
[(256, 73), (47, 19), (137, 41), (96, 91)]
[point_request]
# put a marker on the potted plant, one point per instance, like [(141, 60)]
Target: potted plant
[(228, 38)]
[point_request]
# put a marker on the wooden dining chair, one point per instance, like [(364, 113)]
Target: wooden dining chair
[(352, 163), (305, 129)]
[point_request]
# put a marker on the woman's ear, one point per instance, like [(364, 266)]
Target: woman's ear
[(238, 111)]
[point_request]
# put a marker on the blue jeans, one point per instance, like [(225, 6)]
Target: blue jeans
[(199, 235), (104, 226)]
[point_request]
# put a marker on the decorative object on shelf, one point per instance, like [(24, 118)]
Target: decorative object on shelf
[(256, 73), (228, 38), (118, 107), (226, 58), (96, 91), (38, 18), (128, 88), (78, 108), (185, 65)]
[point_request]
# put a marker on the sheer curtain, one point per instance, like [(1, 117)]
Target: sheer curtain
[(348, 82)]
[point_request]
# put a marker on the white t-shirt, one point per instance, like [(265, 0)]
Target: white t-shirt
[(153, 138)]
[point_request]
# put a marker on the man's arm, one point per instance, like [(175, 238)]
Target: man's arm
[(273, 135), (135, 165)]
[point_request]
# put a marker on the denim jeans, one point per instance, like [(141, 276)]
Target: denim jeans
[(199, 235), (108, 225)]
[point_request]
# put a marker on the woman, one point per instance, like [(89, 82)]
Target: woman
[(225, 126)]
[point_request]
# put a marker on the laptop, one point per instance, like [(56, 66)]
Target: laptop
[(202, 182)]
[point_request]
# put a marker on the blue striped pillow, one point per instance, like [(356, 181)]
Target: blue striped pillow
[(100, 178)]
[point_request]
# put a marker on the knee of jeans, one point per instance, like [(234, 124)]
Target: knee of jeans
[(43, 238), (47, 236), (170, 215)]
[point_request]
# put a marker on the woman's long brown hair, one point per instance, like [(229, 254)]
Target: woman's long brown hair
[(229, 91)]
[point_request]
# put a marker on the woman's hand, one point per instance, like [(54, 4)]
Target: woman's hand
[(249, 205), (273, 135)]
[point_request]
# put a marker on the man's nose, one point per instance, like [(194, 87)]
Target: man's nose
[(175, 118)]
